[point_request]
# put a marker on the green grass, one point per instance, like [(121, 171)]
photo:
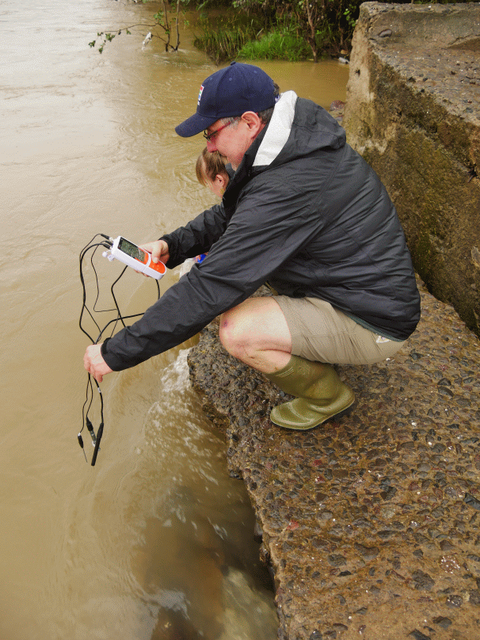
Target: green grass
[(276, 46)]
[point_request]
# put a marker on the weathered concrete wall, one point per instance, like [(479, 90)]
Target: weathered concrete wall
[(413, 112)]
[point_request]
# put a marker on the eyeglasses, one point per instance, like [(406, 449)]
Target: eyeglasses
[(209, 136)]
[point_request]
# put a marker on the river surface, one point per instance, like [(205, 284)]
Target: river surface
[(155, 540)]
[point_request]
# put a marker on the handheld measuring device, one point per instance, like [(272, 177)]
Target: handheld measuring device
[(130, 254)]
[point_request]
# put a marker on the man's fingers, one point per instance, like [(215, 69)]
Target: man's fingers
[(94, 362)]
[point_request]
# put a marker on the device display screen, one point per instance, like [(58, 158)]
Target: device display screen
[(131, 250)]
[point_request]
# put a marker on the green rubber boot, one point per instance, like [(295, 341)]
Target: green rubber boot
[(320, 394)]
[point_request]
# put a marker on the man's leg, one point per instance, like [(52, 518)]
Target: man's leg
[(256, 332)]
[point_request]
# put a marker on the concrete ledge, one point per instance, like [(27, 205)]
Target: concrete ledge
[(371, 524), (413, 112)]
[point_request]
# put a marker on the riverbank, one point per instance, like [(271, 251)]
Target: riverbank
[(370, 524)]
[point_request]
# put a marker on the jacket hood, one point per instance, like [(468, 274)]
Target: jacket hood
[(297, 128)]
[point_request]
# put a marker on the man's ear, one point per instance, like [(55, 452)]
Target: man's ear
[(253, 122)]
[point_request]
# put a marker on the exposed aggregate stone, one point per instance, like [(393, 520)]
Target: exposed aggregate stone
[(454, 78), (446, 62), (371, 523)]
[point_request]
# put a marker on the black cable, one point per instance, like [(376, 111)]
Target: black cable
[(83, 252), (115, 299), (93, 246), (88, 400)]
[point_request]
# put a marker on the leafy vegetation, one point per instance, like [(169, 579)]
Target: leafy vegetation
[(223, 35), (258, 29), (286, 29), (165, 22)]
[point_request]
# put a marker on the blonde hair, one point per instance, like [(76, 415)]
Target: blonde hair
[(210, 164)]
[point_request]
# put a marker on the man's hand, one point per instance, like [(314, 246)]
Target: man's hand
[(158, 249), (94, 363)]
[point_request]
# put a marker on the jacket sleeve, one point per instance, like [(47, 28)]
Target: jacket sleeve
[(197, 236), (250, 249)]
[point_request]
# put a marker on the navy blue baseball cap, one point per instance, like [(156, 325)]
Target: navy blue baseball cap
[(228, 93)]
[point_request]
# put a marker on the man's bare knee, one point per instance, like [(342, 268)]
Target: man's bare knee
[(254, 332), (231, 334)]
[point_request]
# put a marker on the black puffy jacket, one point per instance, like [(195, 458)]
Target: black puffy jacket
[(303, 212)]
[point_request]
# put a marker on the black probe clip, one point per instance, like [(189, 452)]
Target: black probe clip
[(97, 444), (91, 431), (80, 442)]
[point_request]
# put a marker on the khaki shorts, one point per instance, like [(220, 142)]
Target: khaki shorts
[(324, 334)]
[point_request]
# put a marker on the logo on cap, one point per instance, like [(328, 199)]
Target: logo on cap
[(200, 95)]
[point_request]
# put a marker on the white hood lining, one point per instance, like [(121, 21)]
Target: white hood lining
[(278, 130)]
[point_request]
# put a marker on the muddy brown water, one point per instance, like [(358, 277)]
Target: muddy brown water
[(156, 540)]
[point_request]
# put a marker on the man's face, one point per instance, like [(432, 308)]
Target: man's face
[(233, 140)]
